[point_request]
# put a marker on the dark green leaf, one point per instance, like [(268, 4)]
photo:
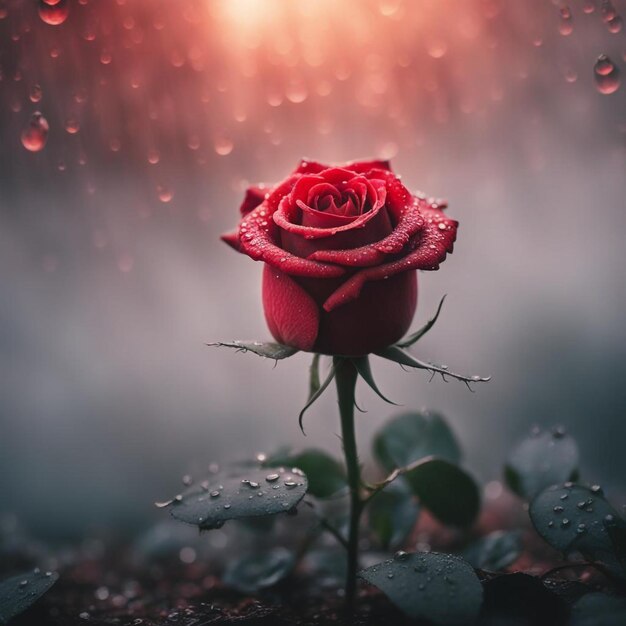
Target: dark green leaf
[(495, 551), (440, 588), (325, 474), (574, 518), (270, 350), (599, 609), (408, 437), (411, 339), (362, 365), (393, 353), (252, 573), (317, 394), (540, 461), (243, 493), (446, 490), (20, 592), (392, 514)]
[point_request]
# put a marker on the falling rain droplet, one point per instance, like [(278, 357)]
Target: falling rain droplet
[(54, 13), (606, 75), (35, 135), (566, 25)]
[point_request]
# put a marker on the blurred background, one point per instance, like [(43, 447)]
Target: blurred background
[(129, 131)]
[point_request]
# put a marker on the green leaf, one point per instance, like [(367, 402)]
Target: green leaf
[(362, 365), (20, 592), (408, 437), (599, 609), (397, 355), (446, 490), (316, 395), (495, 551), (540, 461), (574, 518), (270, 350), (252, 573), (411, 339), (325, 474), (440, 588), (392, 514), (239, 494)]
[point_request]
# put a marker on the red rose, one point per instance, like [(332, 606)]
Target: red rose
[(341, 247)]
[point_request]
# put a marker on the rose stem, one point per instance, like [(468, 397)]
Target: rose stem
[(346, 377)]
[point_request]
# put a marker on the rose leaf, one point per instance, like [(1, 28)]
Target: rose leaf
[(495, 551), (440, 588), (446, 490), (242, 493), (578, 519), (599, 608), (325, 474), (392, 514), (408, 437), (20, 592), (541, 460)]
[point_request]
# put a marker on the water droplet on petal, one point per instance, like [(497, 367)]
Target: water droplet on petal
[(607, 75)]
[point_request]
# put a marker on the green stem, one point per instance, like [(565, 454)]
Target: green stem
[(346, 377)]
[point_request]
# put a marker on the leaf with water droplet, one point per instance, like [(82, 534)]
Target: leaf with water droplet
[(416, 336), (269, 350), (589, 519), (251, 573), (440, 588), (325, 474), (243, 492), (542, 460), (599, 609), (446, 490), (408, 437), (494, 551), (20, 592), (392, 514)]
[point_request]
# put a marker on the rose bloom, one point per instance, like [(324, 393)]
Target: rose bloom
[(341, 246)]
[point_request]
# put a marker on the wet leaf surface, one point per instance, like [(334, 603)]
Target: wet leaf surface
[(326, 475), (437, 587), (20, 592), (575, 518), (240, 494)]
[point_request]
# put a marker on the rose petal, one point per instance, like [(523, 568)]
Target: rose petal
[(408, 212), (312, 167), (254, 196), (258, 235), (429, 248), (286, 214), (232, 239), (291, 313)]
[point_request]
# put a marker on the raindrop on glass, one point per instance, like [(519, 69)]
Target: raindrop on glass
[(606, 75), (54, 13), (34, 136)]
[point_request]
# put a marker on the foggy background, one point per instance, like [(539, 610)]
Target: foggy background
[(113, 278)]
